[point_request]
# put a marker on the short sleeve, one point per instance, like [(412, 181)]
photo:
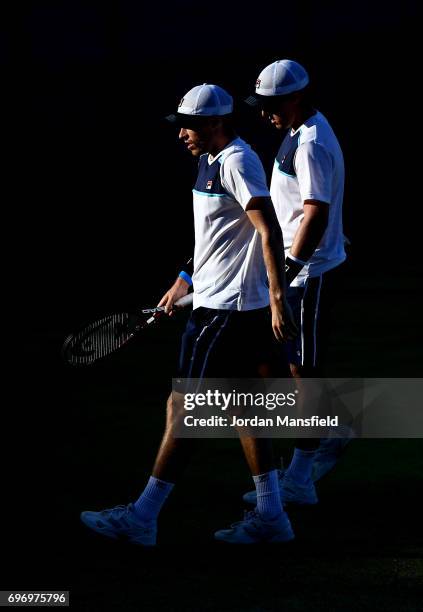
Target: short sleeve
[(243, 177), (314, 169)]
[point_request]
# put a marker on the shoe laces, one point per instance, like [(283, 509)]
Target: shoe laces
[(116, 510), (122, 510), (250, 516)]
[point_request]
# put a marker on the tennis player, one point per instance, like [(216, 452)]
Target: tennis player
[(237, 273), (307, 189)]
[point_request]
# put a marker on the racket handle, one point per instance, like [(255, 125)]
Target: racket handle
[(185, 301)]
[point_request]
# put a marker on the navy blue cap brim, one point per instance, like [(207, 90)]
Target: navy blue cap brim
[(259, 101), (187, 121)]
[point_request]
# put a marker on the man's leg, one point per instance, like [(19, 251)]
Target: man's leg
[(313, 458), (313, 310), (300, 469), (311, 306), (173, 456), (138, 522), (259, 455), (268, 522), (174, 453), (198, 340)]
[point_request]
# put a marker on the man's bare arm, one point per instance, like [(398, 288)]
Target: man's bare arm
[(308, 237), (179, 288), (311, 229), (262, 215)]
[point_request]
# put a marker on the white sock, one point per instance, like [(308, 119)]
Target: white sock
[(301, 466), (269, 504), (148, 505)]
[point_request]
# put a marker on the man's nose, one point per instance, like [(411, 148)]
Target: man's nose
[(182, 133)]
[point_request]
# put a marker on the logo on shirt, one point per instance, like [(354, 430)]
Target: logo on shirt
[(258, 83), (209, 184)]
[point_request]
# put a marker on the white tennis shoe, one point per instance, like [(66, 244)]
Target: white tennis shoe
[(254, 530), (290, 491), (294, 493), (121, 522)]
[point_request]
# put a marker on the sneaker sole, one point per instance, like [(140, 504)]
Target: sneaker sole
[(285, 503), (119, 537), (259, 543)]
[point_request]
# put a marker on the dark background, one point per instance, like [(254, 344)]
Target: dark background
[(104, 220), (108, 205)]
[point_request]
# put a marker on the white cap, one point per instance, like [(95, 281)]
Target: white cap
[(203, 101), (207, 100), (281, 78)]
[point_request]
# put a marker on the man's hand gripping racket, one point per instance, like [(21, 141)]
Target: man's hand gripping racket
[(103, 337)]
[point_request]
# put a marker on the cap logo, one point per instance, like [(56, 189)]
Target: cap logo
[(181, 102), (209, 184), (258, 83)]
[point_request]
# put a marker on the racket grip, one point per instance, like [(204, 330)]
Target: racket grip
[(185, 301)]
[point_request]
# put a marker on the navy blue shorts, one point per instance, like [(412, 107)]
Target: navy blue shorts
[(312, 307), (231, 344)]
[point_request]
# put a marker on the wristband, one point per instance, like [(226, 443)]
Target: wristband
[(186, 277)]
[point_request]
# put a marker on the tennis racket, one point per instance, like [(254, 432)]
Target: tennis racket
[(107, 335)]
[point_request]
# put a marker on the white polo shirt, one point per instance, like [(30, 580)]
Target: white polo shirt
[(229, 271), (310, 165)]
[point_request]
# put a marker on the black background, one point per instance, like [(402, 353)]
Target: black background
[(106, 217), (104, 214)]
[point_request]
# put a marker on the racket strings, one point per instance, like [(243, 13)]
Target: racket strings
[(104, 336), (100, 339)]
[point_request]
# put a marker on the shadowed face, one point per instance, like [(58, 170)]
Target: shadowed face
[(281, 111), (198, 140)]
